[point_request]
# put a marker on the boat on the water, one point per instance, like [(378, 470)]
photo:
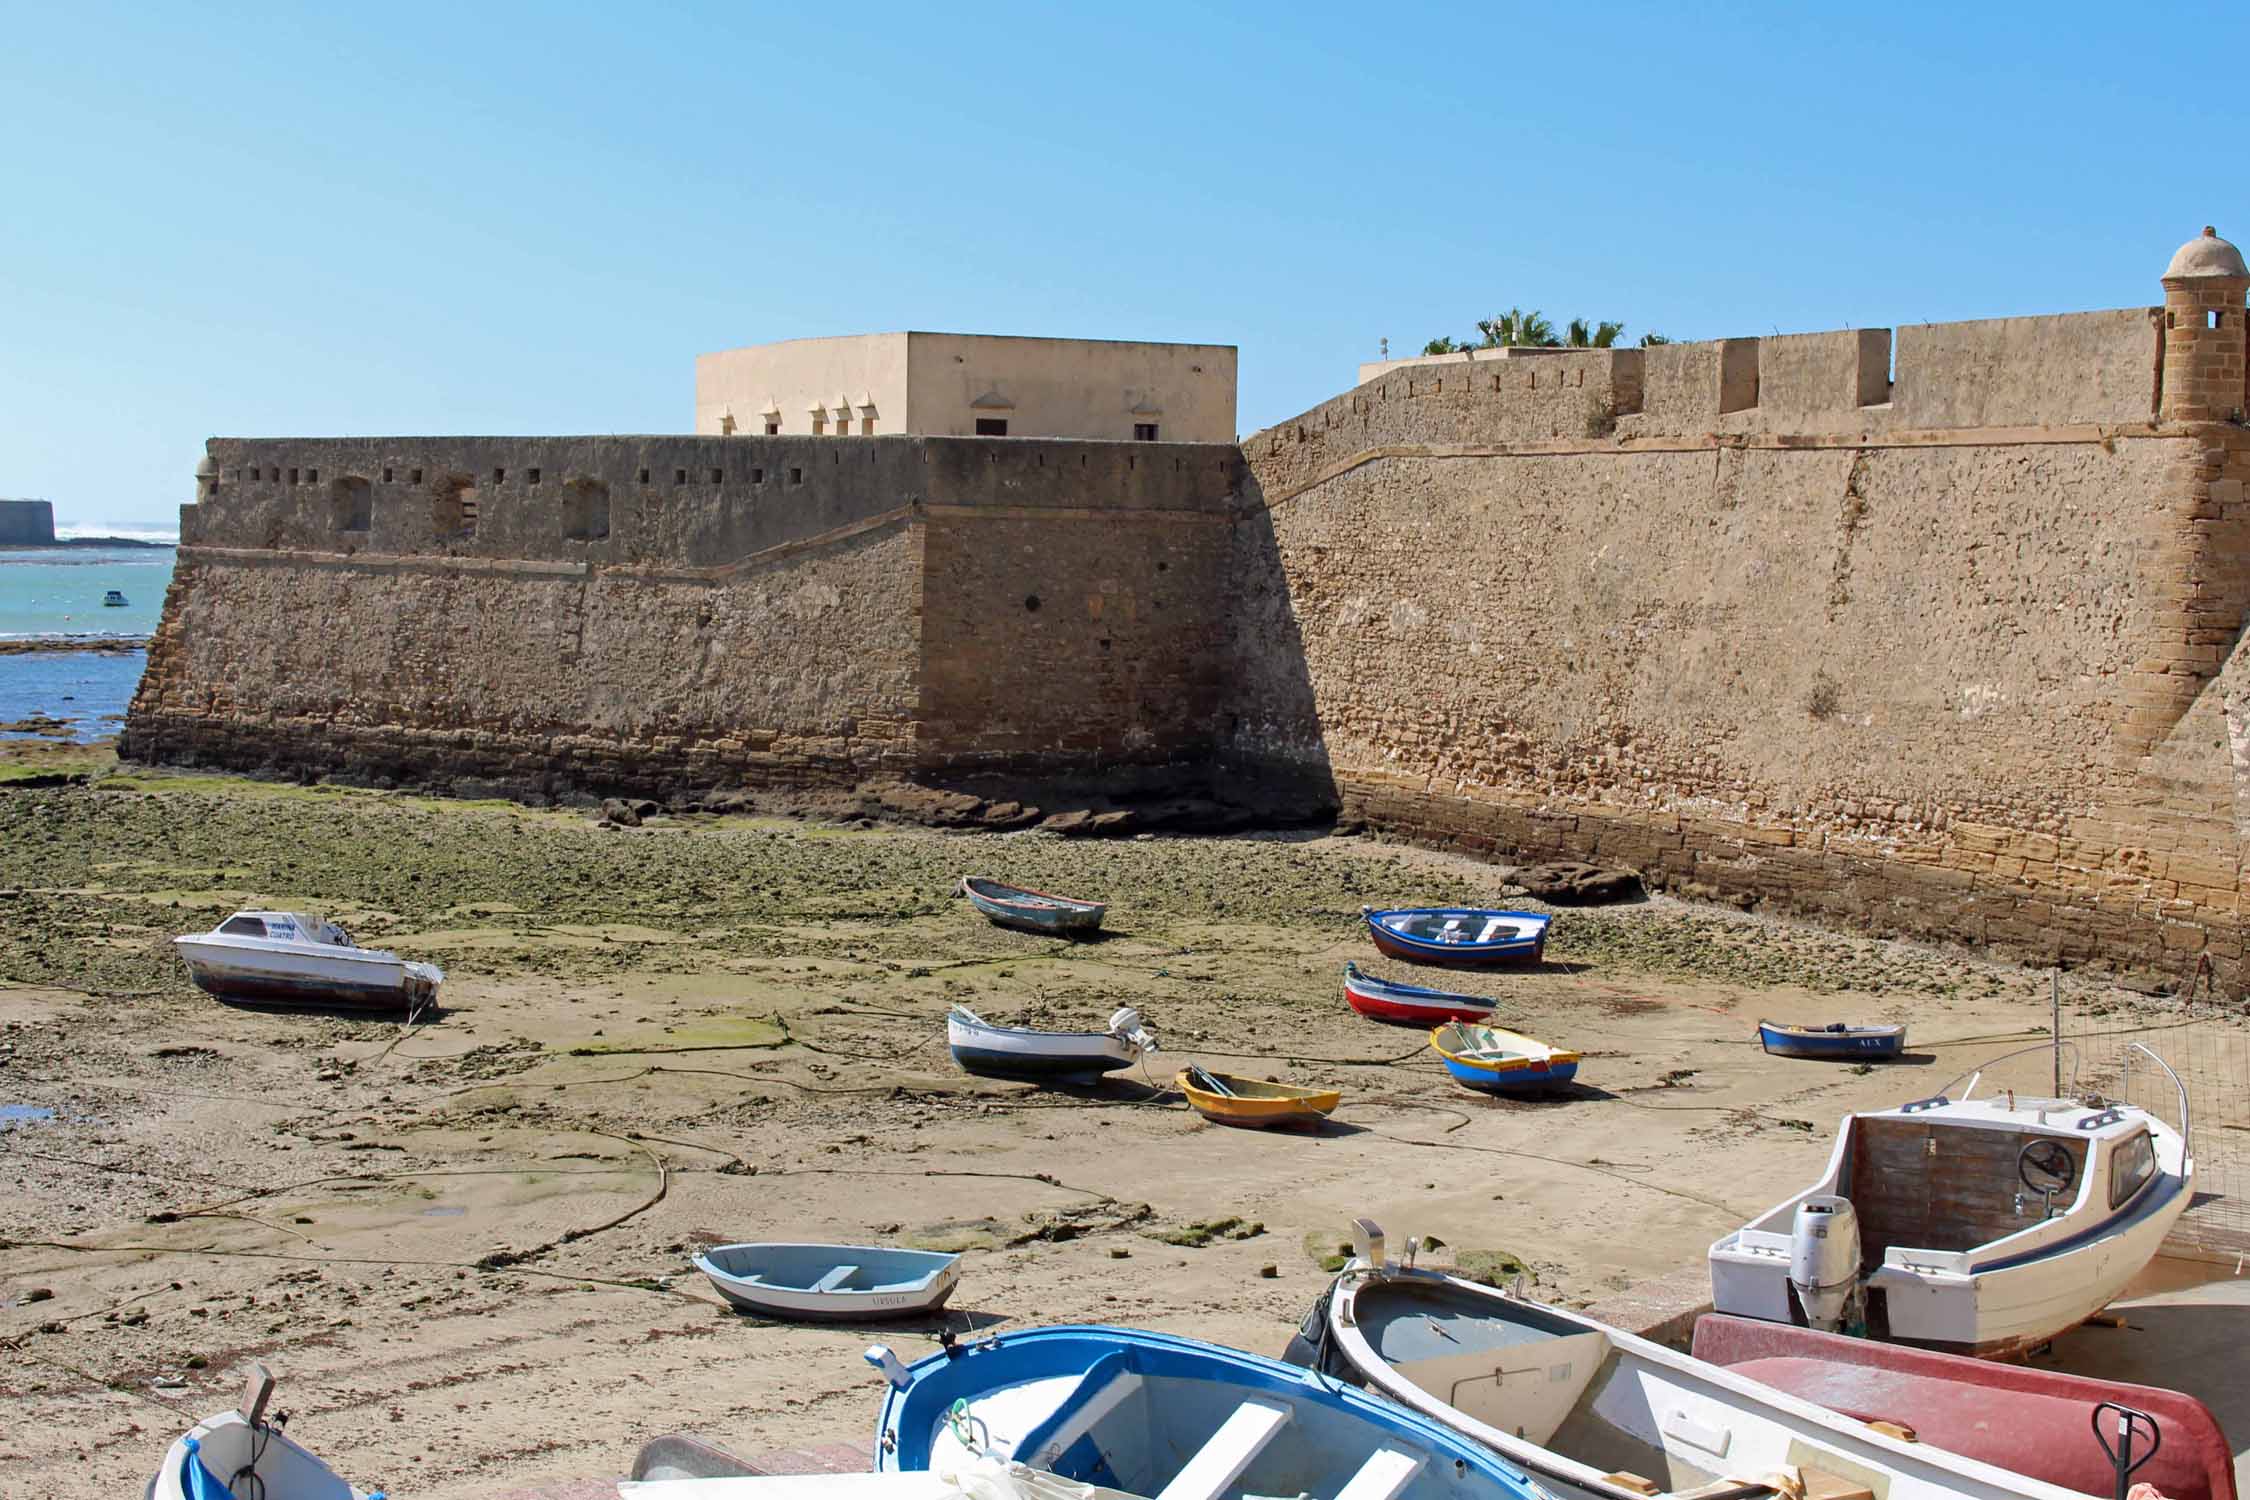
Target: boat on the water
[(1838, 1040), (1981, 1226), (1594, 1413), (239, 1455), (114, 599), (1458, 937), (290, 958), (1019, 1052), (1410, 1004), (1493, 1061), (830, 1282), (1158, 1415), (2023, 1418), (1226, 1099), (1029, 910)]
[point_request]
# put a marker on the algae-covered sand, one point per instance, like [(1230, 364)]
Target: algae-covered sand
[(463, 1246)]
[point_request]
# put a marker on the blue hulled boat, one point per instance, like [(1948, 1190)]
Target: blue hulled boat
[(1458, 937), (1032, 911), (1154, 1414), (1836, 1040)]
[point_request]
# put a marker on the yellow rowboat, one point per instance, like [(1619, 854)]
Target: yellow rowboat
[(1493, 1061), (1229, 1100)]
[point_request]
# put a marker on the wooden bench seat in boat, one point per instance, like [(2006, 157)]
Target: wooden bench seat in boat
[(1222, 1458), (1382, 1476)]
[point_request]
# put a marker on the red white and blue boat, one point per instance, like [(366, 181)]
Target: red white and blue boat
[(1458, 937), (1836, 1041), (1493, 1061), (1384, 1000), (1031, 911)]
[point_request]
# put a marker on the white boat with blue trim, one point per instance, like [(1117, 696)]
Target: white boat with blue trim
[(1173, 1418), (239, 1454), (830, 1283), (291, 958), (1981, 1226)]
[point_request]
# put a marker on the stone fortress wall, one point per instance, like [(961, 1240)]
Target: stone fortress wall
[(1944, 648), (26, 523), (543, 615), (1932, 632)]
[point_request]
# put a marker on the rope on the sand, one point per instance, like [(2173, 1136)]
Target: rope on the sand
[(663, 1185), (1564, 1161), (489, 1263)]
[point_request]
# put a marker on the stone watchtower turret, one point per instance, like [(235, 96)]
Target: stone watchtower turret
[(2204, 332)]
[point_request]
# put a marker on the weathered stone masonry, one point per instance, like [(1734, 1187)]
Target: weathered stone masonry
[(1937, 632)]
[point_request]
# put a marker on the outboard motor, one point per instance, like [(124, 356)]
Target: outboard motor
[(1824, 1259)]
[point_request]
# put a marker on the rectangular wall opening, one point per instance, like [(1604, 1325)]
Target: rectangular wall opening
[(992, 427), (585, 510)]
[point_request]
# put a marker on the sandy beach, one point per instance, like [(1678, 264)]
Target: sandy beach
[(463, 1246)]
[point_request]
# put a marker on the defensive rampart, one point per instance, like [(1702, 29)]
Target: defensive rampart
[(26, 523), (1936, 632), (1942, 650), (662, 614)]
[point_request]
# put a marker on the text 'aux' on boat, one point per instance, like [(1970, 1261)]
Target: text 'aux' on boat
[(1408, 1004), (1023, 1053), (1493, 1061), (830, 1283), (1982, 1226), (1592, 1412), (291, 958), (1158, 1415), (1458, 937), (1837, 1041), (1032, 911), (1226, 1099)]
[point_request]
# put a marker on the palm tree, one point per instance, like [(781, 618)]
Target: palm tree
[(1601, 336), (1517, 329), (1651, 340), (1442, 345)]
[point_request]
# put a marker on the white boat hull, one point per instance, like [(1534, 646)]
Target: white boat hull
[(227, 1443), (264, 972), (1706, 1423), (1015, 1052)]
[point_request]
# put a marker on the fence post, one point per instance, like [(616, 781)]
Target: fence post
[(2054, 1022)]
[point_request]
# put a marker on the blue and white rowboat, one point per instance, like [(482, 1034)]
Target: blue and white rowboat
[(1836, 1040), (1019, 1052), (1458, 937), (1029, 910), (1173, 1418), (830, 1282)]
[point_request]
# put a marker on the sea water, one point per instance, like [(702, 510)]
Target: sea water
[(55, 594)]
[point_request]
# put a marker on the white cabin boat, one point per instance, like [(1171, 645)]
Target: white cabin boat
[(290, 958), (1592, 1412), (1981, 1226)]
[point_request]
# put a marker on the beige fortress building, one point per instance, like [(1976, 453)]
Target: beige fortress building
[(969, 385)]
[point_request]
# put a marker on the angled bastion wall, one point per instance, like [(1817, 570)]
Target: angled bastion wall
[(550, 615), (1931, 647)]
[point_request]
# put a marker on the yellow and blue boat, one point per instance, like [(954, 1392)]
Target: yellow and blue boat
[(1493, 1061)]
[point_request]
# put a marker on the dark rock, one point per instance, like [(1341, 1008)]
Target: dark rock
[(619, 811), (1569, 883), (1069, 824)]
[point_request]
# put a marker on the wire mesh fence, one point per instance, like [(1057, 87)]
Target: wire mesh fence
[(2201, 1040)]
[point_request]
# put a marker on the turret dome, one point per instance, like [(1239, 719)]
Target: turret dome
[(2207, 256)]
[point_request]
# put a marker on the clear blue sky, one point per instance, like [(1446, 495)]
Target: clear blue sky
[(401, 218)]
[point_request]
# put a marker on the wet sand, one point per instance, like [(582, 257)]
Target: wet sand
[(462, 1246)]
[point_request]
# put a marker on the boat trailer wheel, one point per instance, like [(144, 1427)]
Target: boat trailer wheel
[(2046, 1166)]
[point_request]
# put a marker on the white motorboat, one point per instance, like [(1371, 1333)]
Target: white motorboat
[(994, 1051), (1594, 1413), (240, 1453), (1975, 1226), (290, 958)]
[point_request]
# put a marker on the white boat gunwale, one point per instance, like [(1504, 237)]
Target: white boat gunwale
[(1919, 1472)]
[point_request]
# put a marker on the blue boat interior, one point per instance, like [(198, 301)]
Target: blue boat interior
[(1164, 1418), (1420, 990), (827, 1268), (1462, 927)]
